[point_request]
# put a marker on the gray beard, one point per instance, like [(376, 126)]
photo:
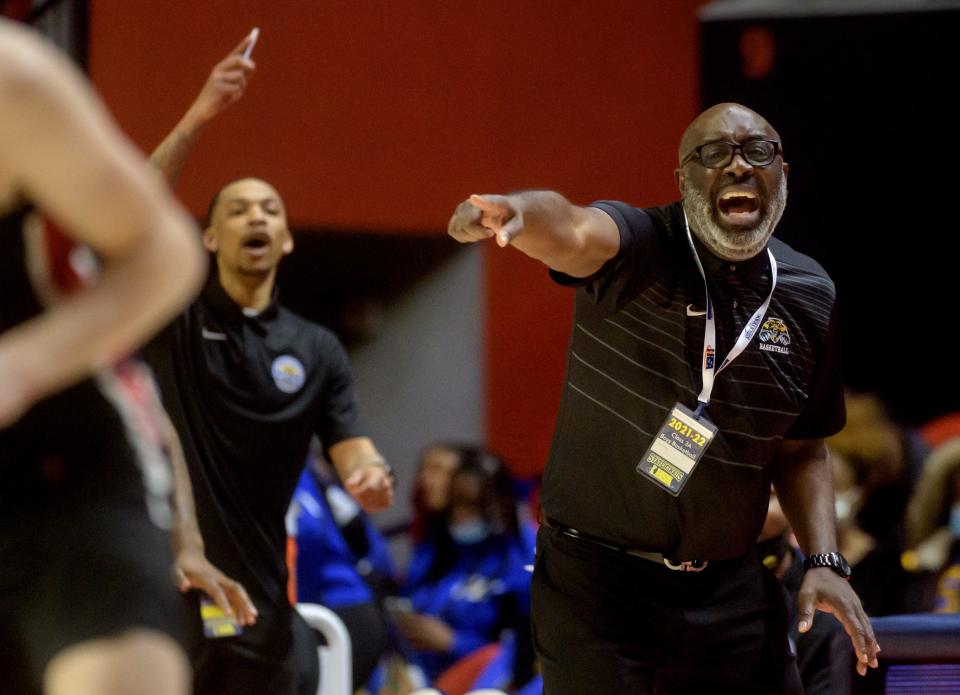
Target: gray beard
[(733, 246)]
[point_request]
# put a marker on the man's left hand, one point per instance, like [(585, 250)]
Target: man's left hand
[(371, 487), (822, 589)]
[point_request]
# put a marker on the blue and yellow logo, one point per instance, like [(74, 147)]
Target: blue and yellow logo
[(288, 373)]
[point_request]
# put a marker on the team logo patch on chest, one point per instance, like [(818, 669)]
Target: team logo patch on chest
[(288, 373), (774, 336)]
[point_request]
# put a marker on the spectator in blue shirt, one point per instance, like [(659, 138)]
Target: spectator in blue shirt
[(343, 562), (467, 582)]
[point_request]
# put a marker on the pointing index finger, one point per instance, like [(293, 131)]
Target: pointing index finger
[(484, 203)]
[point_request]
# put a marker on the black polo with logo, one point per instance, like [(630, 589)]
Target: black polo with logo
[(636, 350), (246, 394)]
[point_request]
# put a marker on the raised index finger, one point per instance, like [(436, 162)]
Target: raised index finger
[(246, 41)]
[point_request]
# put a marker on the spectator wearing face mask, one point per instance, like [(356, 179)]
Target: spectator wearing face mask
[(466, 582), (431, 487)]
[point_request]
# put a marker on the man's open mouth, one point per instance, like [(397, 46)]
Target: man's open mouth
[(257, 241), (739, 208)]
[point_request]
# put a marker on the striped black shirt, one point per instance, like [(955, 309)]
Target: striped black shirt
[(636, 350)]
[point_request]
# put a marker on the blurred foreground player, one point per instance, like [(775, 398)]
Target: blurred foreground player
[(86, 603)]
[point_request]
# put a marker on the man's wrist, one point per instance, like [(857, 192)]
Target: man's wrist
[(387, 468), (186, 540), (833, 561), (371, 463)]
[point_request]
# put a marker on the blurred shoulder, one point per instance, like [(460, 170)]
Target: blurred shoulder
[(26, 60)]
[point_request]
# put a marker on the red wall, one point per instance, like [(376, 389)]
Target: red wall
[(383, 115)]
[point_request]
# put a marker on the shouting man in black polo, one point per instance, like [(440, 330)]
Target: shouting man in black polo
[(247, 384), (703, 367)]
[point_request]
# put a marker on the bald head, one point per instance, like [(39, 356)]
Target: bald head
[(721, 119), (732, 208)]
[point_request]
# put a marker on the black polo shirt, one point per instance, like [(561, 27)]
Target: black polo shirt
[(636, 350), (246, 393)]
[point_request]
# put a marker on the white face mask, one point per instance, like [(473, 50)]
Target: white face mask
[(469, 532)]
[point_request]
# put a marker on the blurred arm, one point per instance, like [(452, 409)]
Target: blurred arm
[(192, 569), (61, 152), (364, 472)]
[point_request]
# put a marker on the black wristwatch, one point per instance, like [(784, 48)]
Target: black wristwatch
[(835, 561)]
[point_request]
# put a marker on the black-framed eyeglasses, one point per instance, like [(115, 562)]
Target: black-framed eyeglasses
[(716, 155)]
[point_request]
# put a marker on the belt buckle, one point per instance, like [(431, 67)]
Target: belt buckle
[(687, 565)]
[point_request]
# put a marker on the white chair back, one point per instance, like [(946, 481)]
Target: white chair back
[(336, 656)]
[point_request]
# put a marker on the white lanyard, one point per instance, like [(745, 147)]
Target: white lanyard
[(710, 330)]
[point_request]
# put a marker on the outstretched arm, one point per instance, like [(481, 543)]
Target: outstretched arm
[(224, 86), (544, 225)]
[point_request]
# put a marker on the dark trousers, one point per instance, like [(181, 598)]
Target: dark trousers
[(78, 570), (605, 622), (286, 665)]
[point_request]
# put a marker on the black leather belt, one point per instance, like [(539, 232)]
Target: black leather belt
[(677, 565)]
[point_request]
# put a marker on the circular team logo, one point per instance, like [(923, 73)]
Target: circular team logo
[(288, 373)]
